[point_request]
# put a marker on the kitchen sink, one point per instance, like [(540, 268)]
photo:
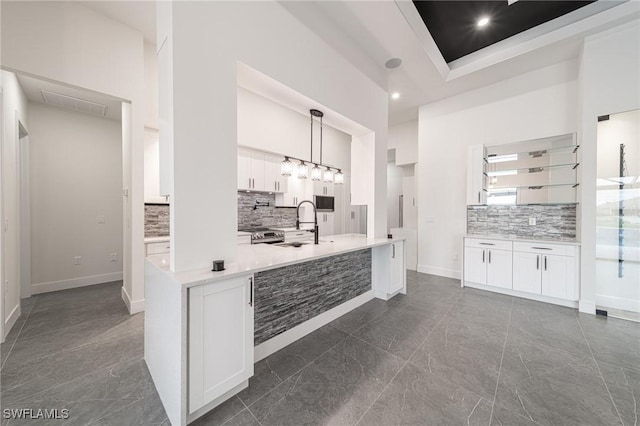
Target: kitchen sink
[(293, 244)]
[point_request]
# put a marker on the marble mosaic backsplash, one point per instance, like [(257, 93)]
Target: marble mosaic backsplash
[(156, 220), (263, 215), (553, 221)]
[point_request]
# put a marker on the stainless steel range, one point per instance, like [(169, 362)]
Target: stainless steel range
[(265, 236)]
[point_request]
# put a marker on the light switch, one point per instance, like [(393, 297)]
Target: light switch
[(101, 219)]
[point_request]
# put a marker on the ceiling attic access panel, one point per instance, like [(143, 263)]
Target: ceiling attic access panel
[(454, 24)]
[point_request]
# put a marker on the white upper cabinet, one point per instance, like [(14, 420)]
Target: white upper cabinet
[(251, 170), (273, 180), (323, 188)]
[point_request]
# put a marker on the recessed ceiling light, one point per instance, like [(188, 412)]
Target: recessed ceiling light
[(393, 63), (395, 95), (483, 22)]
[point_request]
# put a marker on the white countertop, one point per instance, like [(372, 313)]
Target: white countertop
[(157, 239), (521, 240), (261, 257), (293, 229)]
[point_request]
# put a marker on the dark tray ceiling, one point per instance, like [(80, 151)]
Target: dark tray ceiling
[(453, 24)]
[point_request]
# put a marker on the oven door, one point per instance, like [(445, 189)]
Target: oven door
[(324, 203)]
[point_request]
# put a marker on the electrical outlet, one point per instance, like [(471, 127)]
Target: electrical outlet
[(532, 221), (77, 260), (113, 257), (101, 219)]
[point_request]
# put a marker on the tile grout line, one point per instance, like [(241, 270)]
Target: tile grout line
[(297, 371), (584, 336), (249, 410), (19, 332), (407, 361), (504, 347)]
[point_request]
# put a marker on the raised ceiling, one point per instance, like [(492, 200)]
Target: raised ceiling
[(454, 24)]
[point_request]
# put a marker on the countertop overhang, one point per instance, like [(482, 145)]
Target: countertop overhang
[(261, 257)]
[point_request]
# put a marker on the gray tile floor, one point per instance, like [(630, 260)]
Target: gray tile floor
[(440, 355)]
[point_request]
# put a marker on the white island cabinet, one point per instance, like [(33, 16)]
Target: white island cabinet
[(204, 330), (220, 317)]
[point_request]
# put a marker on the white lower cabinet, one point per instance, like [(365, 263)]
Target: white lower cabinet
[(398, 271), (530, 268), (526, 272), (220, 339), (488, 263)]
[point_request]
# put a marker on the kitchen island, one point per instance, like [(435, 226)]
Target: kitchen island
[(204, 330)]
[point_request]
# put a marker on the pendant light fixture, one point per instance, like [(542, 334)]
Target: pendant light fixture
[(316, 173), (302, 170), (328, 175), (286, 167)]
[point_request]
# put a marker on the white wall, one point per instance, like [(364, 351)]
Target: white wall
[(14, 108), (76, 177), (150, 86), (269, 126), (265, 37), (609, 83), (521, 108), (152, 167), (404, 138), (95, 53)]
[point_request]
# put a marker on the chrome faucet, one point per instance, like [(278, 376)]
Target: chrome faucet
[(315, 219)]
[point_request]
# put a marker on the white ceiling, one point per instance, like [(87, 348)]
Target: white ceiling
[(32, 87), (368, 33)]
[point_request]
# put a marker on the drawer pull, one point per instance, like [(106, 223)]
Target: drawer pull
[(542, 248), (487, 244)]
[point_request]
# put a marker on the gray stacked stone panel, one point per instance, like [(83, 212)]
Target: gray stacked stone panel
[(553, 221), (286, 297), (156, 220)]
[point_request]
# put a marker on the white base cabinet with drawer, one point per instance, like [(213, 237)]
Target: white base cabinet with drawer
[(157, 248), (220, 317), (541, 271)]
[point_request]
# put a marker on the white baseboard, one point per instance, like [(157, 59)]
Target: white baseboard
[(618, 303), (134, 306), (587, 307), (524, 295), (441, 272), (11, 320), (265, 349), (75, 282)]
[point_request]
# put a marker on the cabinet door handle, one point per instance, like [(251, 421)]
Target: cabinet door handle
[(489, 256), (545, 263), (393, 246), (249, 182), (478, 196), (250, 291), (414, 202), (483, 256), (278, 185), (537, 262)]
